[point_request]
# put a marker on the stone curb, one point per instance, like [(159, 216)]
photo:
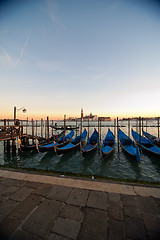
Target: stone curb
[(84, 184)]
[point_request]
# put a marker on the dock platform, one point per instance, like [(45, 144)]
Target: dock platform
[(38, 206)]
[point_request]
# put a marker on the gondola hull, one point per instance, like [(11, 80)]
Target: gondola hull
[(128, 146), (51, 146), (74, 145), (146, 144), (108, 144), (89, 149), (107, 151), (91, 145), (67, 148)]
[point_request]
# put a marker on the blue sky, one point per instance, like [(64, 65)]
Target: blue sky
[(57, 56)]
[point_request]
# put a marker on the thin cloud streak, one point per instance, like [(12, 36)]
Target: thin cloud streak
[(94, 77), (7, 61), (23, 49)]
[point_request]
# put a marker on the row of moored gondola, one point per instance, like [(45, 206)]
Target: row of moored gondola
[(64, 143)]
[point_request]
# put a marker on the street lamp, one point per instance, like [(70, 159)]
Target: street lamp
[(15, 111)]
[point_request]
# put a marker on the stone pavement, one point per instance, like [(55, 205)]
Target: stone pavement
[(38, 207)]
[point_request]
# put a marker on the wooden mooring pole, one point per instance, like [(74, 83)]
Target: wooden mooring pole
[(52, 127), (137, 125), (14, 146), (32, 131), (139, 130), (27, 126), (48, 127), (158, 126), (117, 134), (100, 129), (146, 124), (64, 127), (115, 127), (142, 123), (8, 146), (88, 127), (129, 127), (42, 127)]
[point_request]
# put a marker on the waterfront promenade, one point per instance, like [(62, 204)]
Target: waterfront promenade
[(37, 206)]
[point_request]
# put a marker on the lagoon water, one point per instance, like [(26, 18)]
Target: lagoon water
[(118, 165)]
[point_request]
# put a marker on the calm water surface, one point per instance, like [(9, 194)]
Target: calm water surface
[(118, 165)]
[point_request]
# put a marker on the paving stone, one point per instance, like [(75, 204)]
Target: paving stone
[(72, 212), (152, 222), (135, 228), (53, 236), (43, 218), (25, 207), (78, 197), (21, 235), (2, 189), (132, 212), (116, 230), (129, 200), (147, 204), (114, 197), (6, 207), (34, 185), (94, 225), (115, 210), (66, 227), (98, 200), (21, 194), (2, 199), (157, 200), (59, 193), (10, 190), (8, 226), (9, 181), (43, 190)]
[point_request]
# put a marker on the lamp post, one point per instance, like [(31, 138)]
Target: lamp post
[(15, 111)]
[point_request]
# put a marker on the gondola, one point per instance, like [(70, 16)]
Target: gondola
[(108, 144), (146, 144), (92, 143), (66, 128), (128, 145), (30, 147), (61, 142), (153, 138), (73, 145)]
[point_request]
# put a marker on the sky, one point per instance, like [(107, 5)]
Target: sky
[(58, 56)]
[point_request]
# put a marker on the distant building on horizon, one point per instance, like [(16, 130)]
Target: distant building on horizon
[(104, 118)]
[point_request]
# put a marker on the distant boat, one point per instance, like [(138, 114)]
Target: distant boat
[(74, 144), (128, 146), (91, 145), (108, 144), (29, 147), (146, 144), (61, 142), (56, 127), (153, 138)]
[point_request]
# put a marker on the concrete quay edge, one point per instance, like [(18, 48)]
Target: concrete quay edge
[(120, 188)]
